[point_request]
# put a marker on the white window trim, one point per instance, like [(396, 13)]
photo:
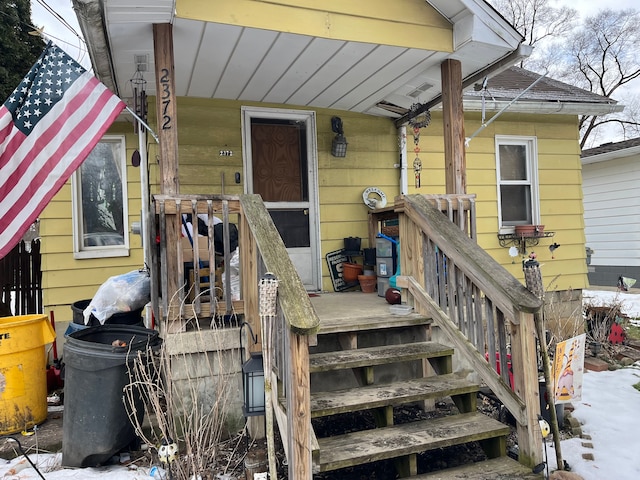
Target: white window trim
[(531, 144), (81, 252)]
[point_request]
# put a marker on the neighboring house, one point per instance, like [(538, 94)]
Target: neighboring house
[(245, 74), (610, 179)]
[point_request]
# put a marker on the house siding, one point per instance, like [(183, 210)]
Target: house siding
[(404, 23), (66, 280), (560, 188), (207, 126), (612, 219)]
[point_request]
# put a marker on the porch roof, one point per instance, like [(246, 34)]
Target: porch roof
[(240, 62)]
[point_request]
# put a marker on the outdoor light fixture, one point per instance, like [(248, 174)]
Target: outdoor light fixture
[(339, 144), (252, 380)]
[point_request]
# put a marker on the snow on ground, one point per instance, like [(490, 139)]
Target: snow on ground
[(609, 412)]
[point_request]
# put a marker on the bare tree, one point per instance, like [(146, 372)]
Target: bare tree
[(539, 22), (597, 54), (602, 59)]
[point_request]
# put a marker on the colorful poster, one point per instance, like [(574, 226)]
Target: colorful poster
[(568, 368)]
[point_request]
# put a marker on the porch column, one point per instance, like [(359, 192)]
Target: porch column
[(453, 123), (166, 114)]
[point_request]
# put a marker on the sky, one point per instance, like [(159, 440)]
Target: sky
[(608, 412)]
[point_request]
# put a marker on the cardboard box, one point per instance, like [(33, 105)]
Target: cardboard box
[(187, 250)]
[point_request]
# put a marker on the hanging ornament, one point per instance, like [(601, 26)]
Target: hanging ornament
[(417, 168), (417, 121)]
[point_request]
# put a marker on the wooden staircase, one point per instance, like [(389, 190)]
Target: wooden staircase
[(425, 376)]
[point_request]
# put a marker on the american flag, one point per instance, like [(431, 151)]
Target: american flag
[(48, 126)]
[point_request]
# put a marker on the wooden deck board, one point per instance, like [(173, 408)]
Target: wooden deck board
[(357, 311), (374, 396), (501, 468), (365, 357), (398, 440)]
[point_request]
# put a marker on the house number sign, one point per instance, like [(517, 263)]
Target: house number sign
[(165, 81)]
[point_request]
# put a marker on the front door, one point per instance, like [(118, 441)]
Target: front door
[(280, 164)]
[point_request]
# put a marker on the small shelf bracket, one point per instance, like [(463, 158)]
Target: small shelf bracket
[(522, 241)]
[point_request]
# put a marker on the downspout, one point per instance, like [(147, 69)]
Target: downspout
[(402, 144)]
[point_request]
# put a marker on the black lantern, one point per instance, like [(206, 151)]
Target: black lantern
[(339, 144), (253, 386), (252, 379)]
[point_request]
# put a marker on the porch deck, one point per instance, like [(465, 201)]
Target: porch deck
[(356, 311)]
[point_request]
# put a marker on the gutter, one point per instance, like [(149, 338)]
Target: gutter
[(545, 107), (603, 157), (93, 26)]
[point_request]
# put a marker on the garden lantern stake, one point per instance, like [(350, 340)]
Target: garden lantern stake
[(268, 294)]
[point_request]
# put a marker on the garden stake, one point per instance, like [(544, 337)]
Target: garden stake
[(533, 280), (268, 291)]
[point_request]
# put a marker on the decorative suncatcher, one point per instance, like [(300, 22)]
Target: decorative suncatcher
[(416, 122)]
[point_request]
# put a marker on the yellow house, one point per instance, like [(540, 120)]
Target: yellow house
[(257, 97)]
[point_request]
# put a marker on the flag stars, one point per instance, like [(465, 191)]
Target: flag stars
[(37, 112)]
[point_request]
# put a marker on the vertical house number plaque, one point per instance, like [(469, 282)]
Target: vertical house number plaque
[(166, 99)]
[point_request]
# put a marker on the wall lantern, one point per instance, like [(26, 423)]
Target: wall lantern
[(339, 144), (252, 380)]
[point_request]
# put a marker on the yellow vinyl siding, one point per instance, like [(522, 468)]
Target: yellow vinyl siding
[(207, 126), (65, 279), (560, 187), (405, 23)]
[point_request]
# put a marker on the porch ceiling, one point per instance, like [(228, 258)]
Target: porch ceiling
[(215, 60)]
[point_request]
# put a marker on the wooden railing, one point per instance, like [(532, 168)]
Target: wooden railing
[(294, 325), (484, 311), (192, 299)]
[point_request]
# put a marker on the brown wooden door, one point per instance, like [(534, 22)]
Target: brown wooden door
[(280, 174)]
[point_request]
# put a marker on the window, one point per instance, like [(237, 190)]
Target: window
[(517, 168), (100, 202)]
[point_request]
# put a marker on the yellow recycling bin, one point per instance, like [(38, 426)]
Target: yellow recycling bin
[(23, 371)]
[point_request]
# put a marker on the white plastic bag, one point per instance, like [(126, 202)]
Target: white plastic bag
[(234, 273), (119, 294)]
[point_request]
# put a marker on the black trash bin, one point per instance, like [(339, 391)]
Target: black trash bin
[(133, 317), (96, 423)]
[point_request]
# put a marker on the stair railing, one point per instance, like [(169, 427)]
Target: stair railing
[(479, 305), (296, 323)]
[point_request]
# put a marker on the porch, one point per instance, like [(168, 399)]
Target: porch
[(463, 301)]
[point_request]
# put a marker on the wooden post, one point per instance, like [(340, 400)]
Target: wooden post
[(299, 408), (525, 377), (166, 113), (453, 123)]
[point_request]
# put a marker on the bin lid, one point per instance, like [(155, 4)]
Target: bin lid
[(116, 338)]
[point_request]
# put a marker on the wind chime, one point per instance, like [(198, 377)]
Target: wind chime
[(417, 121), (138, 85)]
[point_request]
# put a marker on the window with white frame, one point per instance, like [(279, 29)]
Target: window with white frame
[(517, 169), (100, 201)]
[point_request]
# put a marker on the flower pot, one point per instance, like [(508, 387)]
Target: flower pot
[(350, 272), (352, 244), (529, 230), (368, 283)]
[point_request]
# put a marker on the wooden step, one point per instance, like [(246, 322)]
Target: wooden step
[(375, 396), (501, 468), (365, 357), (368, 446)]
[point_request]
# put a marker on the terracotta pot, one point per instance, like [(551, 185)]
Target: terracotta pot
[(368, 283), (529, 230), (350, 271)]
